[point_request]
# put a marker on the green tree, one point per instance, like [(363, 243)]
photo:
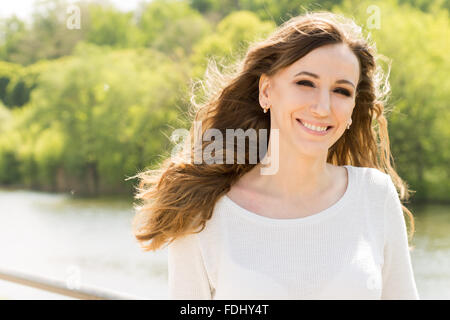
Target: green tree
[(230, 40), (172, 27), (100, 116), (12, 33), (277, 11), (17, 82), (415, 41), (108, 26)]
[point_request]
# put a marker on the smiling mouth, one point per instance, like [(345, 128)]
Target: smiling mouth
[(328, 127)]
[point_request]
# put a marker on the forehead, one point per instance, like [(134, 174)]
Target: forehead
[(333, 61)]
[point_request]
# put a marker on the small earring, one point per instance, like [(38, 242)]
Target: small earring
[(348, 126), (266, 108)]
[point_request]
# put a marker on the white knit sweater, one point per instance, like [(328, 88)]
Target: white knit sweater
[(355, 249)]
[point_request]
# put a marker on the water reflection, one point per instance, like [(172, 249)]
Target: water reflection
[(56, 235), (431, 257)]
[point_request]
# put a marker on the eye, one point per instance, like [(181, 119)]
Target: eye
[(342, 91), (305, 82)]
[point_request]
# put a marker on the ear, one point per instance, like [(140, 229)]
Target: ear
[(264, 85)]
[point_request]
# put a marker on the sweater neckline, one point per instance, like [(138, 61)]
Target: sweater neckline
[(330, 211)]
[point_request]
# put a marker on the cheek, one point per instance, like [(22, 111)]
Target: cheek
[(296, 100), (342, 109), (305, 95)]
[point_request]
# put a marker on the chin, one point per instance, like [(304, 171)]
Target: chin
[(315, 149)]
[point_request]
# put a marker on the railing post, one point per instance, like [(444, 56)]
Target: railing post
[(59, 287)]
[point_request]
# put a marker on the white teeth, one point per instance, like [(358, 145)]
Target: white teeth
[(313, 127)]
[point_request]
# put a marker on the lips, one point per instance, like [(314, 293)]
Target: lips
[(317, 125)]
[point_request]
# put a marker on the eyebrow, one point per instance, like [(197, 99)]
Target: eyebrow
[(317, 77)]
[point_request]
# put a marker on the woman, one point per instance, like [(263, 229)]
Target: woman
[(327, 223)]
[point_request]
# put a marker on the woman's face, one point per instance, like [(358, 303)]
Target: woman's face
[(318, 89)]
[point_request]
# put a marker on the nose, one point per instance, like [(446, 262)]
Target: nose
[(322, 105)]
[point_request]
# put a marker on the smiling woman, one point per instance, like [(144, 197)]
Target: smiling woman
[(234, 233), (321, 100)]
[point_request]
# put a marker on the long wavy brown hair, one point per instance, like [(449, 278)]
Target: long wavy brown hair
[(178, 197)]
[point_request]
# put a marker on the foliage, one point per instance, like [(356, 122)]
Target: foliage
[(230, 39), (85, 108), (17, 82), (108, 109), (107, 25), (420, 137), (172, 27)]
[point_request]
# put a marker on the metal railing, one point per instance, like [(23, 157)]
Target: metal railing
[(84, 292)]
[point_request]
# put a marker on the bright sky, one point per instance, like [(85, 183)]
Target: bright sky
[(23, 8)]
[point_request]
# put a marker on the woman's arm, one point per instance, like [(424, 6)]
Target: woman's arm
[(398, 276), (186, 270)]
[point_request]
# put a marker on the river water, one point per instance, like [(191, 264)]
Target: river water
[(89, 242)]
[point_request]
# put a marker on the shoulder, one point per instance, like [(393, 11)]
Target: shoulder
[(372, 180), (374, 189), (372, 176)]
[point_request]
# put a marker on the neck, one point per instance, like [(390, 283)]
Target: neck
[(299, 176)]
